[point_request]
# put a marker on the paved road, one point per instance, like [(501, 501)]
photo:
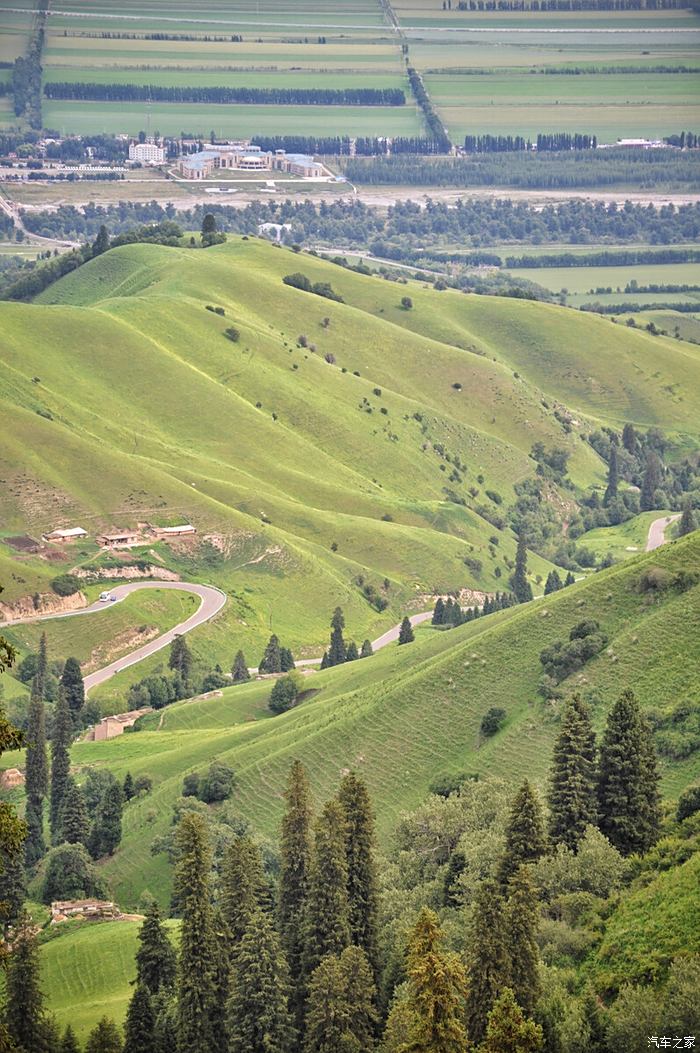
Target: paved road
[(211, 602), (657, 531)]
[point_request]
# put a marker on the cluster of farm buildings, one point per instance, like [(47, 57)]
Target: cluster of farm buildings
[(121, 538)]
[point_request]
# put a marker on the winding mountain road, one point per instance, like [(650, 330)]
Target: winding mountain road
[(211, 602), (657, 531)]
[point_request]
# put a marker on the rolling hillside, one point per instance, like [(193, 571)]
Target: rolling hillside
[(368, 456), (411, 713)]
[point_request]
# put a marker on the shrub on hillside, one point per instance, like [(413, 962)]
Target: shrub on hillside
[(688, 803), (70, 874), (492, 721), (285, 692), (446, 785), (233, 334), (561, 659), (217, 784), (65, 585)]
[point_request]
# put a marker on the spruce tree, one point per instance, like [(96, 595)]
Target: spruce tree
[(104, 1038), (286, 660), (629, 439), (572, 787), (180, 660), (196, 993), (438, 611), (525, 835), (139, 1026), (271, 661), (61, 739), (24, 1000), (42, 668), (451, 891), (36, 776), (244, 889), (69, 1043), (73, 688), (628, 797), (362, 871), (328, 1011), (165, 1029), (74, 818), (553, 583), (613, 476), (570, 579), (295, 863), (522, 923), (437, 988), (352, 654), (259, 1020), (336, 650), (687, 522), (101, 242), (128, 786), (366, 649), (406, 634), (155, 957), (651, 482), (328, 913), (106, 832), (361, 993), (488, 964), (13, 889), (221, 964), (239, 669), (519, 584), (508, 1030)]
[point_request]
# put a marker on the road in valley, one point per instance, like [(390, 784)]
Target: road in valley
[(657, 531)]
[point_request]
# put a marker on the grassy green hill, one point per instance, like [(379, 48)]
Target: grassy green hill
[(369, 454), (411, 713)]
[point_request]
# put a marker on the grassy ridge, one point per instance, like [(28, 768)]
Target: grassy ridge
[(322, 466)]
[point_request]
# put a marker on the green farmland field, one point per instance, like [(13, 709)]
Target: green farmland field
[(89, 118), (609, 106), (579, 280)]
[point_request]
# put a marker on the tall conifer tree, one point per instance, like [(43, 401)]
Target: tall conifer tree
[(61, 739), (295, 863), (336, 649), (106, 832), (239, 670), (73, 688), (104, 1038), (613, 476), (362, 872), (520, 585), (522, 923), (139, 1026), (155, 957), (195, 978), (271, 661), (572, 787), (328, 912), (687, 522), (69, 1043), (508, 1030), (628, 796), (74, 818), (180, 659), (488, 964), (437, 988), (243, 885), (37, 775), (406, 634), (24, 1007), (525, 836), (259, 1020)]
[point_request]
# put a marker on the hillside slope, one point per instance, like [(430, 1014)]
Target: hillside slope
[(411, 713), (369, 454)]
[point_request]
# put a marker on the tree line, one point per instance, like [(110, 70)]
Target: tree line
[(471, 221), (432, 118), (27, 71), (607, 258), (617, 166), (545, 143), (571, 5), (225, 95), (344, 146)]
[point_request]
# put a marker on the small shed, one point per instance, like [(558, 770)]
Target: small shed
[(119, 539)]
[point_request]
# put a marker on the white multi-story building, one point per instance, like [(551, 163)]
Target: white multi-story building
[(247, 157), (148, 153)]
